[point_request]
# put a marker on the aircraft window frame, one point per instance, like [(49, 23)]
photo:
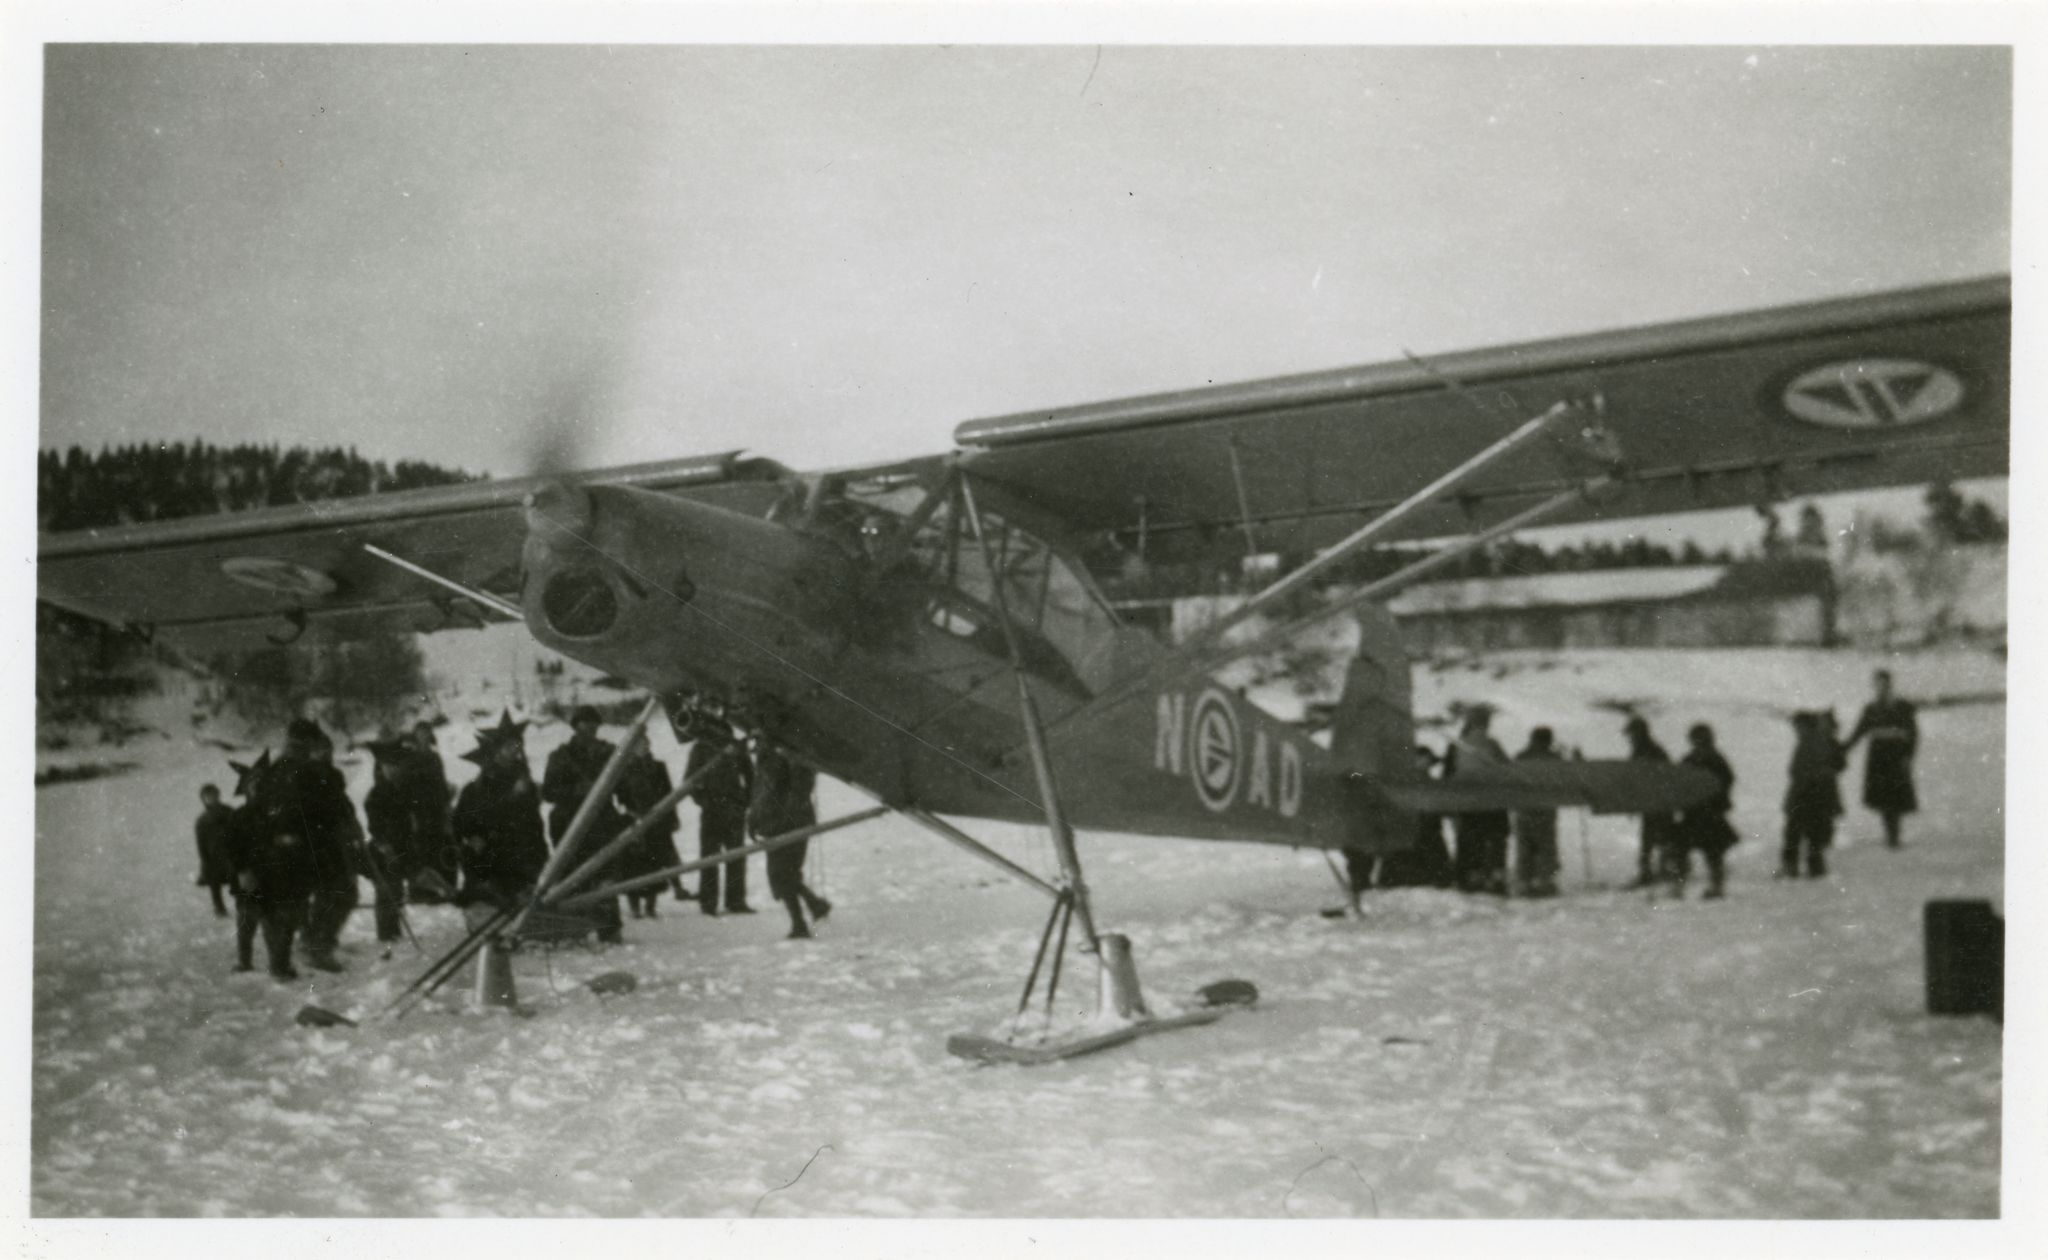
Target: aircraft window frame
[(1078, 626)]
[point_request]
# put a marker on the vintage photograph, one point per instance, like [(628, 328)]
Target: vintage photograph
[(892, 631)]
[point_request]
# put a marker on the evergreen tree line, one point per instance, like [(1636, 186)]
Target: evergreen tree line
[(154, 481)]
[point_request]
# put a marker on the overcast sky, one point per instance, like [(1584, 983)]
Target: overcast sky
[(834, 254)]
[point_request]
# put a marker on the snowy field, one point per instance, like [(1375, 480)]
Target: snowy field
[(1599, 1055)]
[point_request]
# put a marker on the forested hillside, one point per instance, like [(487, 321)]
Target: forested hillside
[(153, 481)]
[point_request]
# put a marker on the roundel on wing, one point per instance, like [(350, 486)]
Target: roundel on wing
[(1873, 393), (1215, 747), (279, 576)]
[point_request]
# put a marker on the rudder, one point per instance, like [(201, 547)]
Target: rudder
[(1373, 734)]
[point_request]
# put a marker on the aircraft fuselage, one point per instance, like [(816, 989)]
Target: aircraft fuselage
[(892, 672)]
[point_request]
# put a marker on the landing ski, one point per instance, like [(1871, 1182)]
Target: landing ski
[(1210, 1004)]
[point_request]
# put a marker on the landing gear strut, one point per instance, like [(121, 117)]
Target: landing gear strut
[(1120, 998)]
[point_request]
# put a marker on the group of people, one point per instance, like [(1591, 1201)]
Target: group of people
[(1813, 795), (1668, 841), (288, 853), (292, 851)]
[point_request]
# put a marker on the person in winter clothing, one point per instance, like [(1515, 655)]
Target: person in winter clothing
[(1657, 852), (643, 785), (211, 833), (273, 870), (573, 771), (1536, 829), (433, 866), (497, 820), (1813, 797), (393, 824), (1704, 827), (1427, 862), (1482, 835), (722, 797), (1893, 729), (782, 803), (316, 796)]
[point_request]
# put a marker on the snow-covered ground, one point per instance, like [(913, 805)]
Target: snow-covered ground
[(1600, 1055)]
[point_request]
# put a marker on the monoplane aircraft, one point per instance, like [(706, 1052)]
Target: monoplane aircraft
[(930, 630)]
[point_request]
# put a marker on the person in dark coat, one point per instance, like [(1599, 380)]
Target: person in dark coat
[(1359, 868), (393, 823), (1893, 729), (1427, 862), (1704, 828), (722, 797), (1813, 798), (573, 771), (273, 870), (317, 797), (643, 785), (497, 820), (782, 803), (241, 826), (1482, 863), (436, 861), (1536, 829), (1657, 854), (211, 832)]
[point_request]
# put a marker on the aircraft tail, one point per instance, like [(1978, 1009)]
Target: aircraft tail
[(1373, 737), (1374, 732)]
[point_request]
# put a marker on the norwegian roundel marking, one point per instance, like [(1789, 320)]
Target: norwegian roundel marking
[(1873, 393), (1216, 748)]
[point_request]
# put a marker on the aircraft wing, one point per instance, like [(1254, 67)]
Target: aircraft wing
[(1604, 787), (1890, 389), (295, 573)]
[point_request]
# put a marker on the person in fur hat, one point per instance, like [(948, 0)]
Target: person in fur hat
[(497, 819)]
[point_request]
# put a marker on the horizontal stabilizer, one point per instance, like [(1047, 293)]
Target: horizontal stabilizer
[(1605, 787)]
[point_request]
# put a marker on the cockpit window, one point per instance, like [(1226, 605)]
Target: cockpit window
[(1045, 593)]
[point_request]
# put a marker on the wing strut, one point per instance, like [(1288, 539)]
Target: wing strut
[(483, 599), (1422, 568), (948, 832), (1207, 649), (1120, 998), (594, 802), (1378, 527), (654, 879), (486, 937), (640, 826)]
